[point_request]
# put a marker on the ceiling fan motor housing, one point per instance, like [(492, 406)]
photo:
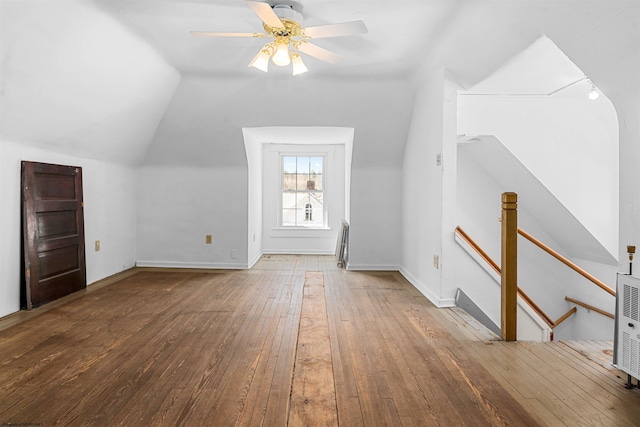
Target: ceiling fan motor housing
[(285, 11)]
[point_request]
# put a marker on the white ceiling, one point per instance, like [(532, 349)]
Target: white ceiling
[(397, 32), (76, 76), (471, 38)]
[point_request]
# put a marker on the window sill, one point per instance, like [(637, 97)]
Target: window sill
[(301, 232)]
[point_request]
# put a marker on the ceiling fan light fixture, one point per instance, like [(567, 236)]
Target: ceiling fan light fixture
[(282, 23), (298, 65), (281, 55), (261, 60)]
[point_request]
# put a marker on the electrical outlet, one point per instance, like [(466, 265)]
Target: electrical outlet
[(97, 245), (436, 261), (234, 253), (208, 239)]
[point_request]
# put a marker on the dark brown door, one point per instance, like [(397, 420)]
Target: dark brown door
[(53, 227)]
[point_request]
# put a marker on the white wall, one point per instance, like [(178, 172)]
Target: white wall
[(626, 98), (178, 206), (586, 324), (374, 232), (254, 203), (422, 188), (449, 188), (428, 189), (110, 206), (194, 132)]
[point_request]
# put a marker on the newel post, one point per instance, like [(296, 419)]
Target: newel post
[(509, 257)]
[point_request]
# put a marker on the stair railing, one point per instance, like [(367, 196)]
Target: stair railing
[(544, 316), (565, 261), (590, 307)]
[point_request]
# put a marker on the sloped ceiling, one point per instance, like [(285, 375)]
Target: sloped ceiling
[(98, 78), (77, 81), (540, 69), (203, 124)]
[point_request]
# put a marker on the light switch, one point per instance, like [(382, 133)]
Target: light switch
[(208, 239)]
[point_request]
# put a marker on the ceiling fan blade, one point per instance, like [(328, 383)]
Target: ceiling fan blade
[(219, 34), (318, 52), (266, 13), (336, 30)]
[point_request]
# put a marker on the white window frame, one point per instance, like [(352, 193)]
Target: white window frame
[(311, 150), (325, 210)]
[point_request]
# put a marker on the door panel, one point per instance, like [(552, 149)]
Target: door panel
[(53, 223)]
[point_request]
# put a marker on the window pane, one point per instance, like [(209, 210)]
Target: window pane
[(316, 217), (315, 182), (289, 200), (303, 181), (289, 164), (316, 169), (316, 165), (289, 217), (288, 181), (303, 165), (289, 173)]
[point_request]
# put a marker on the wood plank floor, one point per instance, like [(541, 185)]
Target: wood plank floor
[(263, 346)]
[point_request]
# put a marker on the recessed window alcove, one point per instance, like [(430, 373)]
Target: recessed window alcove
[(265, 148)]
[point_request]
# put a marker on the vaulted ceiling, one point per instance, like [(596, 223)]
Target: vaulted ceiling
[(125, 81)]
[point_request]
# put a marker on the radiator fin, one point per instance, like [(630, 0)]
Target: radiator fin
[(626, 301), (635, 307), (634, 357), (626, 350)]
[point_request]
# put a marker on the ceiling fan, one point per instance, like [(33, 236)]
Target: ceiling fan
[(283, 23)]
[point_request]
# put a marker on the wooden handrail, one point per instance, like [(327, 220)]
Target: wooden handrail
[(522, 294), (590, 307), (565, 316), (565, 261), (476, 247), (537, 309)]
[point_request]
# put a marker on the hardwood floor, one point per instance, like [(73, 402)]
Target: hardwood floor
[(281, 345)]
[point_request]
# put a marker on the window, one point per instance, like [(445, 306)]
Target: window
[(302, 191)]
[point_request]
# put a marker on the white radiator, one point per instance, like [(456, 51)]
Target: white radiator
[(627, 344)]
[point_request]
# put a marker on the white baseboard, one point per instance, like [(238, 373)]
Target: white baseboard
[(297, 252), (254, 261), (424, 290), (205, 265), (371, 267)]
